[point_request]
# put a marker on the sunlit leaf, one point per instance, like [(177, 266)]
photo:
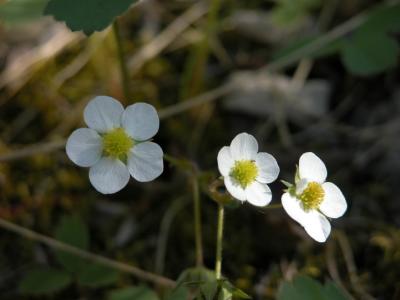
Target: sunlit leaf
[(44, 281), (234, 291), (87, 15)]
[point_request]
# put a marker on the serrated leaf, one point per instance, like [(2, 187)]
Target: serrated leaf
[(72, 231), (44, 281), (130, 293), (95, 275), (367, 53), (88, 15), (19, 11)]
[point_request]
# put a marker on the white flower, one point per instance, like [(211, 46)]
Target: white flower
[(246, 171), (312, 199), (116, 144)]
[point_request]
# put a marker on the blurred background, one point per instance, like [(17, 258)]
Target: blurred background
[(300, 75)]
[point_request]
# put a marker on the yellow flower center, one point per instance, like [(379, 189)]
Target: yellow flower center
[(312, 196), (244, 172), (117, 143)]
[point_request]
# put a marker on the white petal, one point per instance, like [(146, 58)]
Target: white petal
[(318, 227), (258, 194), (293, 208), (145, 161), (334, 204), (268, 169), (84, 147), (103, 113), (234, 189), (244, 146), (109, 175), (312, 168), (141, 121), (301, 185), (225, 161)]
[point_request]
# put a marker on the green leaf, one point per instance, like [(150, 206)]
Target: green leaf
[(73, 231), (289, 12), (383, 19), (19, 11), (87, 15), (332, 292), (95, 275), (130, 293), (287, 292), (306, 288), (234, 291), (179, 293), (367, 53), (196, 276), (44, 281), (330, 49)]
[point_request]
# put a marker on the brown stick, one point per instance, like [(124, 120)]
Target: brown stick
[(53, 243)]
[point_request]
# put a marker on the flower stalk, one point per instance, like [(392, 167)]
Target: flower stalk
[(220, 234), (197, 222), (121, 59)]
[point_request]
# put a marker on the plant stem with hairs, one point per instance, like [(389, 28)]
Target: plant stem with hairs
[(220, 234)]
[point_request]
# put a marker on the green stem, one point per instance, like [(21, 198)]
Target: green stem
[(122, 61), (220, 234), (197, 222)]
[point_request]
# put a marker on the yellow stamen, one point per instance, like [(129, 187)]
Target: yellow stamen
[(244, 172), (312, 196), (117, 143)]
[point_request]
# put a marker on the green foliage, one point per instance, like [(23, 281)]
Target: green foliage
[(95, 275), (367, 53), (306, 288), (73, 231), (179, 293), (234, 291), (207, 287), (88, 15), (289, 12), (44, 281), (137, 292), (371, 49), (368, 50), (18, 11)]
